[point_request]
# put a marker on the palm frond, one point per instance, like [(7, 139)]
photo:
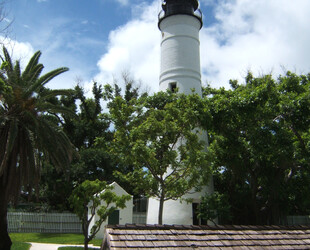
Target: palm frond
[(50, 75), (11, 174), (31, 64), (17, 71), (38, 82), (54, 144), (56, 92), (15, 75), (55, 109), (8, 60), (2, 76), (7, 142), (35, 73), (31, 80), (27, 158)]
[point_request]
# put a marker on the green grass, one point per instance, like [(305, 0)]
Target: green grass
[(20, 246), (76, 239)]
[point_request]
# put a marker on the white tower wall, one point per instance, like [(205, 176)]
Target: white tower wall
[(180, 57)]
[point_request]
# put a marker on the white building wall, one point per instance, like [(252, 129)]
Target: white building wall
[(175, 212), (125, 215)]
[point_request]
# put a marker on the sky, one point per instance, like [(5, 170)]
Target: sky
[(100, 40)]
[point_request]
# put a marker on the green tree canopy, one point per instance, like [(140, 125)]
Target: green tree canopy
[(158, 135), (260, 146), (90, 122)]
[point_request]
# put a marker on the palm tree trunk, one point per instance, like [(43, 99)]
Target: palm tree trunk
[(5, 241)]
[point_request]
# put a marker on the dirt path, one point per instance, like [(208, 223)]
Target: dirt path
[(45, 246)]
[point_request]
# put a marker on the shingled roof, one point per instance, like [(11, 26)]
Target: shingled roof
[(211, 237)]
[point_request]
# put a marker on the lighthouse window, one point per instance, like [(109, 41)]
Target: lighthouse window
[(173, 86)]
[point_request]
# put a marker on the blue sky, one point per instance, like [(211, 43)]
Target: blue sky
[(101, 39)]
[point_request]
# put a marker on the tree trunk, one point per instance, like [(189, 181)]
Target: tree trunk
[(85, 226), (161, 210), (85, 244), (5, 241), (254, 190)]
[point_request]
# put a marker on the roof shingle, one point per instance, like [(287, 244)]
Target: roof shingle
[(198, 237)]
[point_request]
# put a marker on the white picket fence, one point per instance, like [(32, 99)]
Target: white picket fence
[(43, 223), (21, 222)]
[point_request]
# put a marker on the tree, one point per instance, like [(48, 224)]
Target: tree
[(100, 198), (94, 161), (26, 133), (82, 129), (214, 207), (158, 136), (259, 146)]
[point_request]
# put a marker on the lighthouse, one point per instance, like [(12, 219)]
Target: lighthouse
[(180, 22)]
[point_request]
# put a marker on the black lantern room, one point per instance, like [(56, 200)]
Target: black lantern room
[(175, 7)]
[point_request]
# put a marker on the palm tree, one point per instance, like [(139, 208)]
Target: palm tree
[(25, 132)]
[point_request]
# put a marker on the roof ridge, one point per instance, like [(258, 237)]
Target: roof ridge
[(210, 227)]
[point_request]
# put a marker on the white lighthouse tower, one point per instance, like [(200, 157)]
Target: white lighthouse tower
[(179, 23)]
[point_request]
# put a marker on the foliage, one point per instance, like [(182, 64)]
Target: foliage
[(89, 123), (96, 197), (27, 135), (260, 147), (82, 129), (214, 207), (158, 137)]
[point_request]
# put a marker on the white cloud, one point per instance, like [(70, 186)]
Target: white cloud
[(258, 35), (123, 2), (133, 48), (6, 20), (18, 50), (23, 51)]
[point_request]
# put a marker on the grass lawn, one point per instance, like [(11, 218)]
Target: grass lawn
[(51, 238), (20, 246)]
